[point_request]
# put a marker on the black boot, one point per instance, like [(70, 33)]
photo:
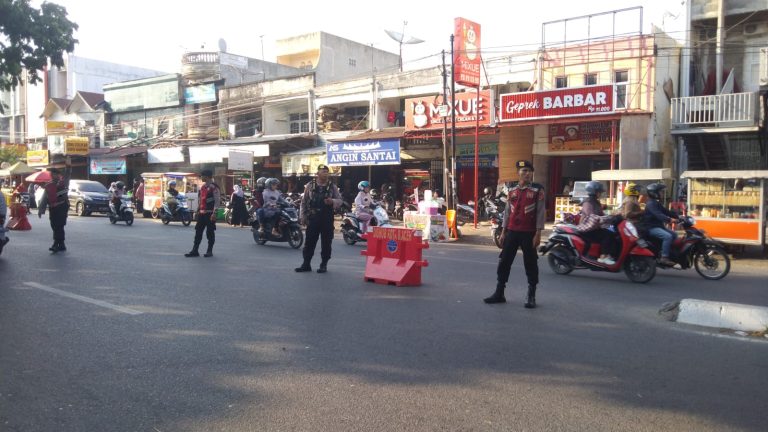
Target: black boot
[(498, 295), (323, 267), (305, 267), (62, 247), (531, 303), (209, 252), (55, 247)]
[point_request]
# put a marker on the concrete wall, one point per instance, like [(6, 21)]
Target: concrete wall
[(84, 74), (635, 138), (515, 143), (707, 9), (666, 75)]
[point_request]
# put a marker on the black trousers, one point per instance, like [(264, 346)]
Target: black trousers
[(58, 218), (204, 223), (602, 236), (319, 226), (512, 241)]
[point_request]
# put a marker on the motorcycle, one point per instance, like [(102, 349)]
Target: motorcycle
[(465, 213), (124, 214), (179, 213), (567, 251), (350, 226), (288, 225), (695, 249)]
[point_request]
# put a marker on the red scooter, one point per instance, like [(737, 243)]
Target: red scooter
[(566, 251)]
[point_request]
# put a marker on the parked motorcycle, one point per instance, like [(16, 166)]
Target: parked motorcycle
[(696, 250), (567, 251), (287, 224), (180, 212), (350, 226), (124, 214)]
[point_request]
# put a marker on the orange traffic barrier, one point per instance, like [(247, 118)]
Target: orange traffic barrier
[(394, 256), (18, 221)]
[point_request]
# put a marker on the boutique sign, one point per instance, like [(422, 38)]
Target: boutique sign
[(362, 153), (565, 102)]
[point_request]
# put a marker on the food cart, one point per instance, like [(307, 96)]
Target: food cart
[(155, 185), (729, 205)]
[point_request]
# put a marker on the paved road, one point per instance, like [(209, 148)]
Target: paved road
[(122, 333)]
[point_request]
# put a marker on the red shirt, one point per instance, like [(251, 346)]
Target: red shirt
[(524, 203)]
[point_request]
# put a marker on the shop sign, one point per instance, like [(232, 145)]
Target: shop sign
[(205, 154), (59, 128), (466, 57), (581, 136), (306, 164), (364, 153), (566, 102), (165, 155), (469, 149), (108, 166), (37, 157), (483, 161), (424, 113), (76, 146), (239, 160), (200, 94)]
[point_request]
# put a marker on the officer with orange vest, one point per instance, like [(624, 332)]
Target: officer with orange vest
[(523, 222), (56, 199), (209, 197)]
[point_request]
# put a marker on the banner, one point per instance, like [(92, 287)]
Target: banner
[(238, 160), (364, 153), (565, 102), (200, 94), (59, 128), (306, 164), (165, 155), (581, 136), (217, 154), (466, 52), (108, 166), (37, 157), (424, 112), (76, 146)]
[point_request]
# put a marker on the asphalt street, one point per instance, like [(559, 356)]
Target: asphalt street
[(123, 333)]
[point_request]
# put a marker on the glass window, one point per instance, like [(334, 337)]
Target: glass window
[(725, 198), (299, 122), (590, 79), (621, 78), (561, 82)]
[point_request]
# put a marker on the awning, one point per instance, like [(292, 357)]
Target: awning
[(632, 174), (374, 135), (735, 174), (19, 168), (421, 154)]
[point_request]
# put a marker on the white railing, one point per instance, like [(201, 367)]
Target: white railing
[(735, 109)]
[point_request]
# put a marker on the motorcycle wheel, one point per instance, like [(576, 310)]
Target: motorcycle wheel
[(186, 219), (129, 218), (558, 259), (497, 238), (296, 238), (155, 213), (166, 219), (112, 219), (348, 238), (640, 269), (712, 263)]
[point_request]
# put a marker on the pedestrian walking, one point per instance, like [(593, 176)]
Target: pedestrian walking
[(239, 210), (209, 198), (523, 222), (3, 213), (56, 199), (320, 198), (138, 194)]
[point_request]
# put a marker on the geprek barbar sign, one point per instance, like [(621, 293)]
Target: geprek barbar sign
[(565, 102)]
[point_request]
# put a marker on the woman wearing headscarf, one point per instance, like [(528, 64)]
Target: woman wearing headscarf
[(239, 210)]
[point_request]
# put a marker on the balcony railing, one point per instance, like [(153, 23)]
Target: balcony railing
[(726, 110)]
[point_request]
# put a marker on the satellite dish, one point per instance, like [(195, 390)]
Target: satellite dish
[(401, 38), (222, 45)]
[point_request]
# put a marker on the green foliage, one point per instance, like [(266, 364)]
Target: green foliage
[(9, 154), (29, 37)]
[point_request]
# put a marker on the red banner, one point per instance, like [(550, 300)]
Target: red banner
[(466, 52), (424, 113), (565, 102)]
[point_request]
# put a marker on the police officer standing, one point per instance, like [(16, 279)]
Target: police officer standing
[(523, 222), (209, 197), (56, 198), (317, 204)]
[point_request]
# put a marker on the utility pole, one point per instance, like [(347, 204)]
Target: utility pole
[(446, 176), (452, 107)]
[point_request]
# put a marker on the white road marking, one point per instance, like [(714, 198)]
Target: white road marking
[(117, 308)]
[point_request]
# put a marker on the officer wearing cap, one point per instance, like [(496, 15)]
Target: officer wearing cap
[(209, 198), (317, 204), (55, 198), (523, 222)]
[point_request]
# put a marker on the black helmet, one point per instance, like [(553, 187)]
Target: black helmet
[(594, 188), (120, 185), (487, 191), (654, 190), (271, 181)]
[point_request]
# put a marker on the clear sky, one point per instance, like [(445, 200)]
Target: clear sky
[(155, 33)]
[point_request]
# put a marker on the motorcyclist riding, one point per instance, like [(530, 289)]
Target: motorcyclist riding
[(363, 202), (592, 217), (654, 219), (116, 196), (172, 196), (269, 210)]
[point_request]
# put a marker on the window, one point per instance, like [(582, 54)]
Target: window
[(621, 78), (352, 62), (299, 123), (561, 82), (590, 79)]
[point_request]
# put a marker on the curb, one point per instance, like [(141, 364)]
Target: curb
[(734, 316)]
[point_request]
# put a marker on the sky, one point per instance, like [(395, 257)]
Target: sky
[(155, 33)]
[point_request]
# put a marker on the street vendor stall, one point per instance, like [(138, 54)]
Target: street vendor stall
[(729, 205), (155, 185)]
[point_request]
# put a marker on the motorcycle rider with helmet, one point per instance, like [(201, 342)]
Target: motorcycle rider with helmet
[(363, 202), (271, 196), (116, 195), (172, 195), (655, 217), (591, 220)]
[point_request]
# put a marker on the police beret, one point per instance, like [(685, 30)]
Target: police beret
[(524, 164)]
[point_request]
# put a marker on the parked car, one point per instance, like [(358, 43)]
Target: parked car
[(88, 196)]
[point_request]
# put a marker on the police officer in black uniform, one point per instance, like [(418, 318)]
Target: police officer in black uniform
[(209, 199), (57, 200), (320, 198)]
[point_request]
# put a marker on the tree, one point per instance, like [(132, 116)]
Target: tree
[(30, 37), (10, 154)]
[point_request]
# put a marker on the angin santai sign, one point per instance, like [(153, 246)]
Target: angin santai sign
[(361, 153)]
